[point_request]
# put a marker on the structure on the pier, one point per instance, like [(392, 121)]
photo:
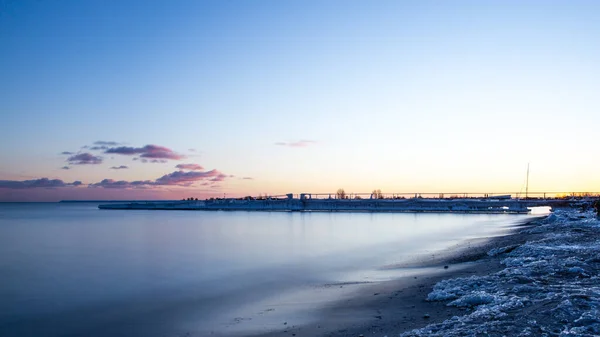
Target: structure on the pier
[(312, 202)]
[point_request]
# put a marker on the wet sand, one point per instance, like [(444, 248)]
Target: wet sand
[(392, 307)]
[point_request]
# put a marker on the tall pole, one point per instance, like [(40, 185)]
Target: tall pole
[(527, 184)]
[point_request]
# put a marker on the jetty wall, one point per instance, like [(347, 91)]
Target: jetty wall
[(340, 205)]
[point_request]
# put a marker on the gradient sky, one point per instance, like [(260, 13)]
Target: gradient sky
[(296, 96)]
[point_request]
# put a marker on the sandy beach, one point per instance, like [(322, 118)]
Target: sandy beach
[(397, 306), (541, 280)]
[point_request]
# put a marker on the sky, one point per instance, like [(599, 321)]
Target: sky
[(174, 99)]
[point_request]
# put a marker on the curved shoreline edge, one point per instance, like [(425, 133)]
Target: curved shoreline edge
[(396, 306), (541, 280)]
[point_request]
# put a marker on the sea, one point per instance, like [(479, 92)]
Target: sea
[(71, 269)]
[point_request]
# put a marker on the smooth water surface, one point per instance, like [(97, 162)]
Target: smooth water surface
[(70, 269)]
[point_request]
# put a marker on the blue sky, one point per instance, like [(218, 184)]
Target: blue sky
[(411, 96)]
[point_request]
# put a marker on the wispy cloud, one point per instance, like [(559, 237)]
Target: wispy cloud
[(105, 143), (100, 145), (193, 167), (110, 183), (98, 148), (122, 167), (188, 178), (247, 178), (148, 151), (65, 168), (177, 178), (84, 159), (300, 143), (36, 183), (67, 153)]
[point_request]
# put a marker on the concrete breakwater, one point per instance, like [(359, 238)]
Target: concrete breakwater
[(471, 205)]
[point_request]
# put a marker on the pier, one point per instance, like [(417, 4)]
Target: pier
[(395, 202)]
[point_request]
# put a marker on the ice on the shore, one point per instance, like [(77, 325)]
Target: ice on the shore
[(549, 287)]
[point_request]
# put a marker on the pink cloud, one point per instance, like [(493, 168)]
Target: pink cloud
[(148, 151), (177, 178), (193, 167), (188, 178), (36, 183), (110, 183)]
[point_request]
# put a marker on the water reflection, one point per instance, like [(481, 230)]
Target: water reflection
[(75, 269)]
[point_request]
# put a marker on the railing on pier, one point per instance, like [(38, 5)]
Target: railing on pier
[(454, 195)]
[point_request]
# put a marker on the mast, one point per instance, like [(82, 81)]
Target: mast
[(527, 184)]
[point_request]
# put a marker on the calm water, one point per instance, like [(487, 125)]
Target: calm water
[(74, 270)]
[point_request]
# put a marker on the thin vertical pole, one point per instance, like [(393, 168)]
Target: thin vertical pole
[(527, 185)]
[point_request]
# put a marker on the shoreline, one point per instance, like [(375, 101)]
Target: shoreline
[(397, 306)]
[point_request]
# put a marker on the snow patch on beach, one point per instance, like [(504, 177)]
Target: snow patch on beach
[(549, 286)]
